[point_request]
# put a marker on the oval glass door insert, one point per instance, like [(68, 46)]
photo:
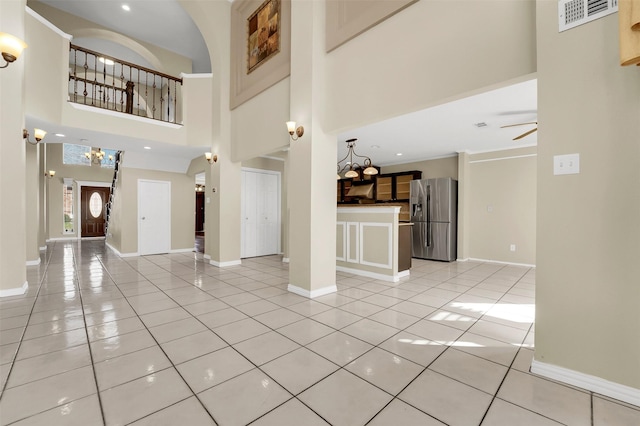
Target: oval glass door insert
[(95, 204)]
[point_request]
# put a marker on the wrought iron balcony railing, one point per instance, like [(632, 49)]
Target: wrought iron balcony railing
[(106, 82)]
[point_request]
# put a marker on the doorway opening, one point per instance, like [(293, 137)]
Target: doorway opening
[(199, 213)]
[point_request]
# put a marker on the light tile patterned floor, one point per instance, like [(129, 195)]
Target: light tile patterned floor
[(171, 340)]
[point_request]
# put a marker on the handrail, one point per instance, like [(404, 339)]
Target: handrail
[(140, 67), (104, 81)]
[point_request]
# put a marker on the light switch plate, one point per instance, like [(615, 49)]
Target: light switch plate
[(568, 164)]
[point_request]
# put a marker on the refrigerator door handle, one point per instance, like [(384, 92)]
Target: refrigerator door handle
[(428, 224)]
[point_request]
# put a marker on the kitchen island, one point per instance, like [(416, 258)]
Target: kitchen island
[(371, 241)]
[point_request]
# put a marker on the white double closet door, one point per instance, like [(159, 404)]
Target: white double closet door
[(260, 213)]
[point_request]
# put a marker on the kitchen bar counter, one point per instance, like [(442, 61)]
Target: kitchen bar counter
[(368, 242)]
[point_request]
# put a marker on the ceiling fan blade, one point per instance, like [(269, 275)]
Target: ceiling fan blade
[(525, 134), (519, 124)]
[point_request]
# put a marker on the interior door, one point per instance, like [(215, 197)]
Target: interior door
[(92, 202), (268, 215), (260, 214), (154, 217), (199, 212)]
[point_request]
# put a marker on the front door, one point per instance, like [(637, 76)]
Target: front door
[(93, 200)]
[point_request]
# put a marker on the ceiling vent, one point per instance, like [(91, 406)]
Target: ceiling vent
[(577, 12)]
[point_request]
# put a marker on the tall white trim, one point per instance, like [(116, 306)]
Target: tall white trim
[(18, 291), (592, 383), (33, 262), (344, 240), (389, 264), (314, 293), (285, 260)]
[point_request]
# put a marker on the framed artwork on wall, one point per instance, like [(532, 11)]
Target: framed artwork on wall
[(263, 34), (260, 47)]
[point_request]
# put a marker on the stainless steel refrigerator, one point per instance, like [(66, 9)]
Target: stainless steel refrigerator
[(434, 213)]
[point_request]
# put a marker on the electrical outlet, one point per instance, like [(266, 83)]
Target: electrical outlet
[(566, 164), (512, 247)]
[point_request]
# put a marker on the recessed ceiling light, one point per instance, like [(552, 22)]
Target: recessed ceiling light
[(399, 154), (147, 147), (375, 146), (126, 7), (481, 124), (60, 135)]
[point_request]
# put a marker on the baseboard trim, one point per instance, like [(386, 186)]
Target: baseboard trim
[(182, 250), (500, 262), (18, 291), (389, 278), (43, 248), (592, 383), (208, 257), (312, 294), (62, 239), (285, 260), (225, 264), (33, 262), (121, 254)]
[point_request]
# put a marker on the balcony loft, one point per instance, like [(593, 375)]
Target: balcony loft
[(110, 83), (69, 86)]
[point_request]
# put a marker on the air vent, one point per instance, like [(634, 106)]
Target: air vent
[(577, 12)]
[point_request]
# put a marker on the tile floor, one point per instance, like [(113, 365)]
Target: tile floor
[(171, 340)]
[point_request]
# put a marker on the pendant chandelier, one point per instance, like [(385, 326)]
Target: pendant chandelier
[(98, 156), (351, 166)]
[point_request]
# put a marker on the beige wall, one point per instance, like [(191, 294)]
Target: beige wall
[(93, 173), (33, 177), (449, 48), (587, 292), (12, 159), (437, 168), (182, 208), (502, 206)]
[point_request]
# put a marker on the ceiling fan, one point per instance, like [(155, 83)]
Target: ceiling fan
[(527, 133)]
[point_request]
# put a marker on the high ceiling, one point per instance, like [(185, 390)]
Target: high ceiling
[(163, 23), (431, 133)]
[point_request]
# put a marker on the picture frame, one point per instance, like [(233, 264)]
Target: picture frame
[(267, 71), (263, 34)]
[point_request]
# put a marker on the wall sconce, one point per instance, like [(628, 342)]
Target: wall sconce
[(298, 131), (11, 48), (211, 158), (50, 174), (37, 133)]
